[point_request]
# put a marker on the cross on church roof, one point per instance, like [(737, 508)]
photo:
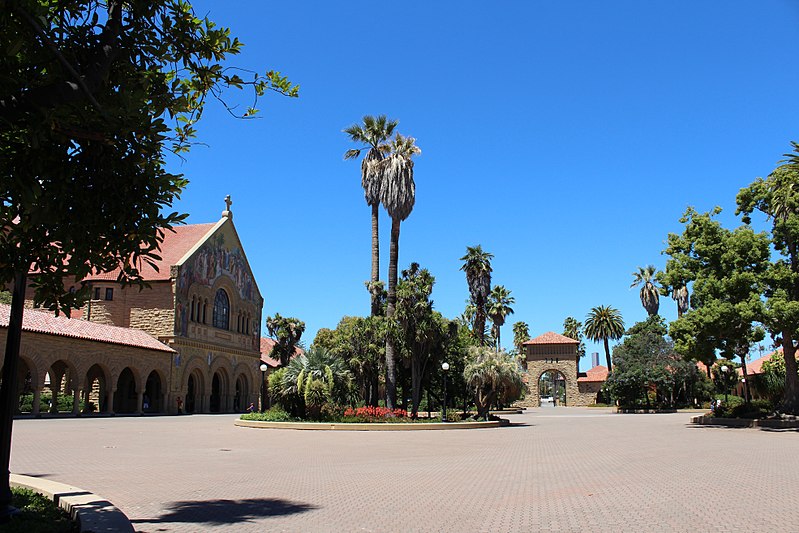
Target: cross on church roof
[(227, 212)]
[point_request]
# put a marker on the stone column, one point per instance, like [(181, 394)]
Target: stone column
[(139, 402), (164, 404), (109, 403), (37, 395), (55, 390), (76, 401)]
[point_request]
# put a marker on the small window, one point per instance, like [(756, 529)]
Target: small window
[(193, 308), (205, 312), (97, 293), (109, 294)]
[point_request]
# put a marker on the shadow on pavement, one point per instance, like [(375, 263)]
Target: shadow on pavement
[(220, 512)]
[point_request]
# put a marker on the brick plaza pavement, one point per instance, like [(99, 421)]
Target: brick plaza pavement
[(564, 469)]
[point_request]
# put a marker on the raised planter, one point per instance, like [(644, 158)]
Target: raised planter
[(705, 420), (377, 426), (629, 411), (93, 513)]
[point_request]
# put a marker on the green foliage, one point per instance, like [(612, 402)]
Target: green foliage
[(727, 406), (650, 295), (726, 270), (39, 514), (521, 334), (499, 307), (5, 297), (477, 266), (287, 332), (604, 323), (275, 414), (492, 376), (318, 373), (573, 329), (725, 381), (648, 373), (92, 96), (64, 403)]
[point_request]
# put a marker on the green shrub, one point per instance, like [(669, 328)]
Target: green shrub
[(64, 403), (727, 406), (38, 514), (275, 414)]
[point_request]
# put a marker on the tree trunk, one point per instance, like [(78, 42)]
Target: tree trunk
[(391, 360), (607, 354), (747, 396), (8, 389), (480, 322), (498, 343), (375, 259), (790, 402), (416, 388)]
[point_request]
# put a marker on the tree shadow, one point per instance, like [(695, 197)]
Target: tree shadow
[(221, 512)]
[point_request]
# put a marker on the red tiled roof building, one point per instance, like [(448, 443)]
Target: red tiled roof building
[(189, 343)]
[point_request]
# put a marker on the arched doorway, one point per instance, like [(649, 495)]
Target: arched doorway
[(95, 396), (242, 393), (552, 389), (125, 396), (153, 394), (59, 395), (194, 393), (218, 391)]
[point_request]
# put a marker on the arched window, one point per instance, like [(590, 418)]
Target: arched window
[(221, 310), (193, 308), (205, 312)]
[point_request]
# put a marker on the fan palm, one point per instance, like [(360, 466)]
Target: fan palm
[(680, 295), (398, 195), (477, 265), (650, 297), (372, 133), (499, 307), (604, 323), (573, 329)]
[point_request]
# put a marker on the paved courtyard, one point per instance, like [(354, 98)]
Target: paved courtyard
[(557, 470)]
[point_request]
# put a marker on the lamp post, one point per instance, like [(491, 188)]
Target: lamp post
[(445, 367), (724, 370), (263, 386)]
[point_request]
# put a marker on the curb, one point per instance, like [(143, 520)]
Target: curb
[(332, 426), (704, 420), (93, 513)]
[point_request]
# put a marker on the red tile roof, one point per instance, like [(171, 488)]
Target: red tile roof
[(266, 350), (176, 243), (550, 337), (43, 322), (756, 366), (598, 373)]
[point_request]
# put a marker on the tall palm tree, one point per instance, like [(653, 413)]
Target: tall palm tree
[(398, 195), (499, 307), (521, 334), (604, 323), (573, 329), (477, 265), (372, 133), (650, 297)]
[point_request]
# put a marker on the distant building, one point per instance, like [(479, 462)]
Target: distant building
[(552, 363)]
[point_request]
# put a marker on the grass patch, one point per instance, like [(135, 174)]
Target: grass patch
[(38, 515)]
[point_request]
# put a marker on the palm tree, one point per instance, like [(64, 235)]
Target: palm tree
[(398, 195), (650, 298), (680, 295), (477, 265), (521, 334), (499, 307), (372, 133), (573, 329), (604, 323)]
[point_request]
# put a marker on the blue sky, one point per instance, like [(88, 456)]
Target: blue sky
[(566, 138)]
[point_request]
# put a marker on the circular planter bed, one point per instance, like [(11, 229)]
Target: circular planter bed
[(774, 423), (366, 426)]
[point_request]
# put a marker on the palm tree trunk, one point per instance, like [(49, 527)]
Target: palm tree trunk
[(375, 259), (498, 343), (607, 354), (480, 322), (391, 362)]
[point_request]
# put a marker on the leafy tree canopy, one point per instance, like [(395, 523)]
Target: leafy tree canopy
[(91, 96)]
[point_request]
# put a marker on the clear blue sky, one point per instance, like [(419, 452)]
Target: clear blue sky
[(566, 138)]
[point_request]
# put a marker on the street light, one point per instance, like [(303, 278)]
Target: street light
[(724, 370), (445, 367), (263, 386)]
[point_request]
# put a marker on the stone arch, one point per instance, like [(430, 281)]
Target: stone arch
[(195, 391), (26, 385), (97, 390), (60, 381), (246, 386), (126, 395), (220, 390), (552, 384), (154, 393)]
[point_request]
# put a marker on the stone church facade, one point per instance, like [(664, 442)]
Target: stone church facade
[(202, 310)]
